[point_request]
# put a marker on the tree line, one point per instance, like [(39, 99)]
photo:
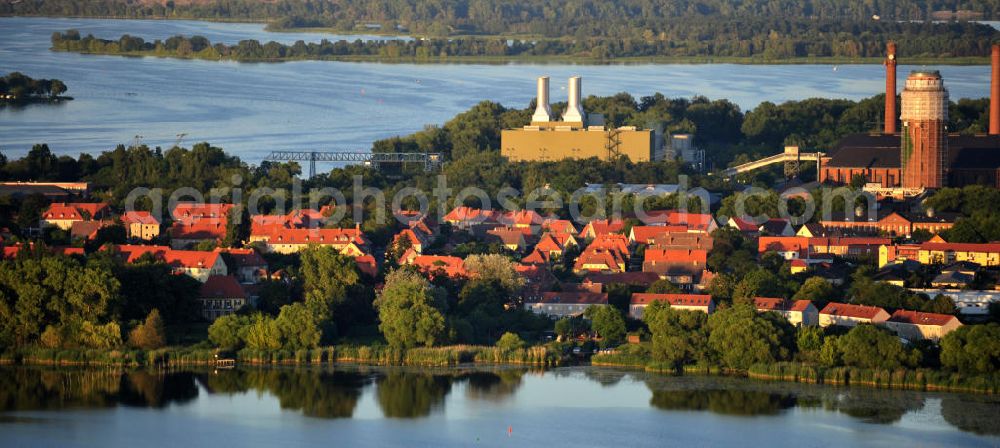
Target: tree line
[(763, 40), (22, 87)]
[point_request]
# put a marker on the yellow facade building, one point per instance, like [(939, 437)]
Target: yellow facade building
[(574, 136)]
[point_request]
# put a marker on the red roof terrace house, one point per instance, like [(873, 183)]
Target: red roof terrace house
[(701, 303), (63, 214), (564, 304), (849, 315)]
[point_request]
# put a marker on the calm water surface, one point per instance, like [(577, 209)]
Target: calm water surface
[(582, 406), (251, 109)]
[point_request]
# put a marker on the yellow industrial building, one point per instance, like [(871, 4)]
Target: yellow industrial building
[(573, 137)]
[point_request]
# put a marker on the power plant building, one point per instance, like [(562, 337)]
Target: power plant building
[(573, 137), (923, 155)]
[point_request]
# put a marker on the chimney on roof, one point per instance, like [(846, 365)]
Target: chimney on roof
[(995, 91), (574, 111), (543, 113), (890, 89)]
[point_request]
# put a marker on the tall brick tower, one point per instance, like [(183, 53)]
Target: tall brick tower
[(890, 89), (924, 149)]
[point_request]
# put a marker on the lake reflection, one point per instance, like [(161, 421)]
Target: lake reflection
[(37, 402)]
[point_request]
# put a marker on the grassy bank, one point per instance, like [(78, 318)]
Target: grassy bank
[(374, 355), (912, 379), (565, 59)]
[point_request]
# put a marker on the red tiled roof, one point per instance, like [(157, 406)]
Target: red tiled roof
[(245, 257), (693, 221), (600, 257), (452, 266), (920, 318), (74, 210), (850, 310), (139, 217), (469, 214), (198, 230), (87, 229), (700, 300), (801, 305), (574, 298), (600, 227), (367, 265), (743, 225), (548, 243), (559, 226), (222, 287), (192, 212), (675, 256), (522, 218), (536, 257), (314, 236)]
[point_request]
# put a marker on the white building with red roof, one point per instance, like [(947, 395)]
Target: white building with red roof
[(221, 295), (565, 303), (701, 303), (64, 214), (917, 325), (850, 315), (797, 312), (286, 241)]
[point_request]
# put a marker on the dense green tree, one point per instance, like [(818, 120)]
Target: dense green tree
[(972, 349), (679, 337), (149, 335), (510, 342), (410, 310), (868, 346), (608, 323), (818, 290), (742, 337), (298, 327), (263, 334), (230, 331)]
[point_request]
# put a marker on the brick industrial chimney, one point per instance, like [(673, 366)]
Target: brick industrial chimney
[(890, 89), (924, 143), (995, 92)]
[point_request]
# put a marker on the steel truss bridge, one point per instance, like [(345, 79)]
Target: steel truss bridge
[(430, 161)]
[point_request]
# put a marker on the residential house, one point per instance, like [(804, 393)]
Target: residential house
[(511, 238), (434, 265), (812, 230), (685, 302), (199, 265), (64, 214), (849, 315), (702, 222), (916, 325), (565, 303), (221, 295), (680, 266), (187, 213), (87, 230), (141, 225), (351, 242), (777, 227), (474, 220), (986, 254), (245, 264), (797, 312), (184, 234), (599, 227)]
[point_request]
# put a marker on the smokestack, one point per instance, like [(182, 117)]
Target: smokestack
[(574, 112), (995, 92), (543, 113), (890, 89)]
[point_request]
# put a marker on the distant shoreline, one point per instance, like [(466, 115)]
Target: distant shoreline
[(560, 60)]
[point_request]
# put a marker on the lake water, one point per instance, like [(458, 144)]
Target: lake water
[(251, 109), (359, 407)]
